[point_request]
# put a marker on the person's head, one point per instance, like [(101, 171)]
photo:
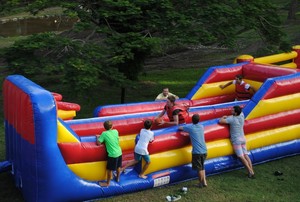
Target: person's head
[(195, 118), (239, 78), (107, 125), (147, 124), (165, 91), (171, 100), (236, 110)]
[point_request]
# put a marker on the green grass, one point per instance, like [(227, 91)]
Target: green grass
[(6, 42), (234, 186), (230, 186)]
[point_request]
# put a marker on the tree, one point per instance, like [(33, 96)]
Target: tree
[(128, 31), (261, 17), (293, 10)]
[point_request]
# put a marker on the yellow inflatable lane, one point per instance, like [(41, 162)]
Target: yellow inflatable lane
[(255, 84), (274, 136), (64, 135), (291, 65), (275, 105), (271, 59), (93, 171), (66, 114), (127, 142), (213, 89)]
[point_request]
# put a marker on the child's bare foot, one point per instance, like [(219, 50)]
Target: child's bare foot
[(103, 184), (143, 176)]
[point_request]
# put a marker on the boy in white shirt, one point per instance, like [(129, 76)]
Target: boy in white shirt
[(141, 148)]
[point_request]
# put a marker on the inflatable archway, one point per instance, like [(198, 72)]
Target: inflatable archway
[(58, 160)]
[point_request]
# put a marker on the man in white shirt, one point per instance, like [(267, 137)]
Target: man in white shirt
[(164, 95)]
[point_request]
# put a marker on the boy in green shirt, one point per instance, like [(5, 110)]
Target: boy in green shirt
[(110, 138)]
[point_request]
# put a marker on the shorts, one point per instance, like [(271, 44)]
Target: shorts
[(198, 161), (138, 157), (114, 163), (240, 149)]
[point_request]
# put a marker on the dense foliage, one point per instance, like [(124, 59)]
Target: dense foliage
[(123, 33)]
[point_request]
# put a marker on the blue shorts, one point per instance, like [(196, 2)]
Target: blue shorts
[(240, 149), (138, 157)]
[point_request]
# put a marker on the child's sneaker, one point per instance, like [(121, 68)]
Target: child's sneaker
[(175, 198)]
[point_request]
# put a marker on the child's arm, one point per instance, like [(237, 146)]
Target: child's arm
[(183, 132), (223, 120), (151, 139), (225, 85), (97, 140)]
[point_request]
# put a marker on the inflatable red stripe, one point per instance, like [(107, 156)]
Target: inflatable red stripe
[(282, 88), (57, 96), (67, 106), (260, 72)]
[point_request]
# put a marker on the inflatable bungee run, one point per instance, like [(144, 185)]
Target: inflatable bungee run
[(54, 157)]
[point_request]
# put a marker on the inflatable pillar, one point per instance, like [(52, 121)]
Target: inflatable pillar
[(297, 59), (244, 58)]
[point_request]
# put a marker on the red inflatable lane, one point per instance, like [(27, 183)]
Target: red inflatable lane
[(260, 72), (112, 110), (67, 106), (57, 96), (89, 151), (124, 126), (267, 122), (134, 125), (283, 87), (224, 74), (213, 100), (82, 152)]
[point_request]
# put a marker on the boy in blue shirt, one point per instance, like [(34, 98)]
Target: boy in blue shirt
[(199, 150)]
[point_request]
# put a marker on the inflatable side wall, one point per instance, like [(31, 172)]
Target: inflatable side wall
[(38, 167)]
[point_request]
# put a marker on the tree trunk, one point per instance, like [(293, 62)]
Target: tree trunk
[(293, 10), (123, 95)]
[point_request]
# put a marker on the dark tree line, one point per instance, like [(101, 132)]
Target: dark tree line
[(113, 38)]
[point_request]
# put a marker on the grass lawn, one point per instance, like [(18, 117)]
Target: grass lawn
[(234, 186)]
